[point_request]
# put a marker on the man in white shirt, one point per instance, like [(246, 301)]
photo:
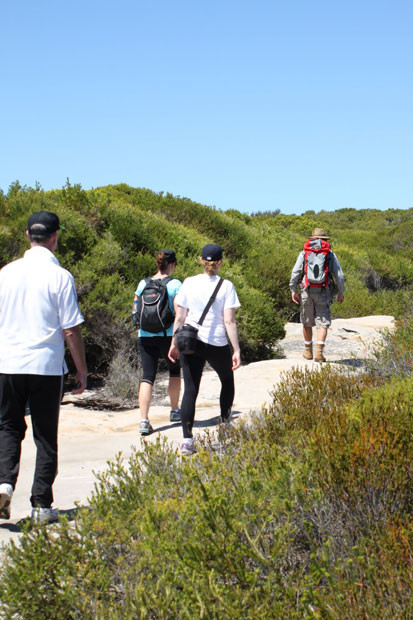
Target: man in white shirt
[(38, 312)]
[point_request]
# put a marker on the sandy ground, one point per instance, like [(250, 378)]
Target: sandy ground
[(89, 439)]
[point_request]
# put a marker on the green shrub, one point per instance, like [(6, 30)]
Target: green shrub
[(245, 529), (394, 356), (112, 234)]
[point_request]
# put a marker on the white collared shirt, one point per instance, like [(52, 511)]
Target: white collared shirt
[(194, 295), (37, 302)]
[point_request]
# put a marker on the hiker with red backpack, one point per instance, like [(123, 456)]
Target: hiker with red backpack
[(316, 272), (154, 313)]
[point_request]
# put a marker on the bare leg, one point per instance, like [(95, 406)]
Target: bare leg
[(174, 388), (145, 395), (322, 334), (307, 333)]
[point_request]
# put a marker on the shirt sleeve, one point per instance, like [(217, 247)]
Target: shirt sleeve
[(173, 287), (69, 312), (338, 274), (140, 288), (182, 295), (297, 272), (231, 298)]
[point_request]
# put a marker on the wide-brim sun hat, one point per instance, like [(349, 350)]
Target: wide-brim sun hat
[(319, 233)]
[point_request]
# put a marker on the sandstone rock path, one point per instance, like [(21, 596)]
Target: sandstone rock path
[(88, 439)]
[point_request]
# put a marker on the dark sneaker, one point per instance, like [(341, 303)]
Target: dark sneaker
[(227, 419), (6, 492), (175, 415), (145, 428), (187, 447), (43, 516)]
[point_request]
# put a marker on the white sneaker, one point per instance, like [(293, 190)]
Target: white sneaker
[(42, 516), (6, 492)]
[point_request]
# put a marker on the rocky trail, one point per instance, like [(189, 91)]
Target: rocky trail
[(88, 439)]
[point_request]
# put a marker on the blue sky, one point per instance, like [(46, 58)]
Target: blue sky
[(241, 105)]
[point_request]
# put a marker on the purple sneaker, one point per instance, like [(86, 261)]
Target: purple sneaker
[(187, 447)]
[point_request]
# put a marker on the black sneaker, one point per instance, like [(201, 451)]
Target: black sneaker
[(175, 415)]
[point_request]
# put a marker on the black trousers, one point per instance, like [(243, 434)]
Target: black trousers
[(44, 395), (220, 359)]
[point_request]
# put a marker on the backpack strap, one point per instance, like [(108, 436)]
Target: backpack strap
[(306, 282), (164, 281), (211, 301)]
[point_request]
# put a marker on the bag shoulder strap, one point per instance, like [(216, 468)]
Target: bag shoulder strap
[(211, 301), (164, 281), (161, 281)]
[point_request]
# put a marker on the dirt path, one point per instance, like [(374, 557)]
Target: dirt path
[(88, 439)]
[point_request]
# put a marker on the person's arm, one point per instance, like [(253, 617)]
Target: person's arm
[(296, 275), (180, 316), (339, 278), (76, 347), (232, 331)]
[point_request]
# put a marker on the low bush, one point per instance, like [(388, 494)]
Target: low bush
[(301, 512), (394, 356)]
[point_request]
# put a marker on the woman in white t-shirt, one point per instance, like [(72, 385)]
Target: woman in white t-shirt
[(212, 345)]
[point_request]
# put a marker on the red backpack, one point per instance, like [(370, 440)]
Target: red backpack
[(316, 262)]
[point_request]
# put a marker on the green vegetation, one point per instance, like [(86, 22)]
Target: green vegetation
[(113, 232), (302, 512)]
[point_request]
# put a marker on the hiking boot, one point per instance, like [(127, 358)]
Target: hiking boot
[(319, 357), (175, 415), (145, 428), (6, 492), (187, 447), (43, 516), (308, 353)]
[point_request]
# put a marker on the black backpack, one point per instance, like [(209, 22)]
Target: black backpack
[(154, 314)]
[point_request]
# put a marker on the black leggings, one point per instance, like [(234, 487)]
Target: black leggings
[(220, 359)]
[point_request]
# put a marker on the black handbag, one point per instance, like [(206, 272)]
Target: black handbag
[(187, 335)]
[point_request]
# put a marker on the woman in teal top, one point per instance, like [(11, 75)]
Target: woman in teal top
[(152, 346)]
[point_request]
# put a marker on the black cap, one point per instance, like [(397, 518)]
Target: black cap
[(170, 255), (212, 252), (43, 223)]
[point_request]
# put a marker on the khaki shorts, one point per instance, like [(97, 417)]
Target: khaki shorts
[(315, 307)]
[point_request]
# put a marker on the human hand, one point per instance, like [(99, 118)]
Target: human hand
[(236, 359), (296, 298), (340, 299), (173, 353), (81, 383)]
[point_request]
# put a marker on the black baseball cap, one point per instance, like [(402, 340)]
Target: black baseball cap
[(43, 223), (212, 252), (170, 256)]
